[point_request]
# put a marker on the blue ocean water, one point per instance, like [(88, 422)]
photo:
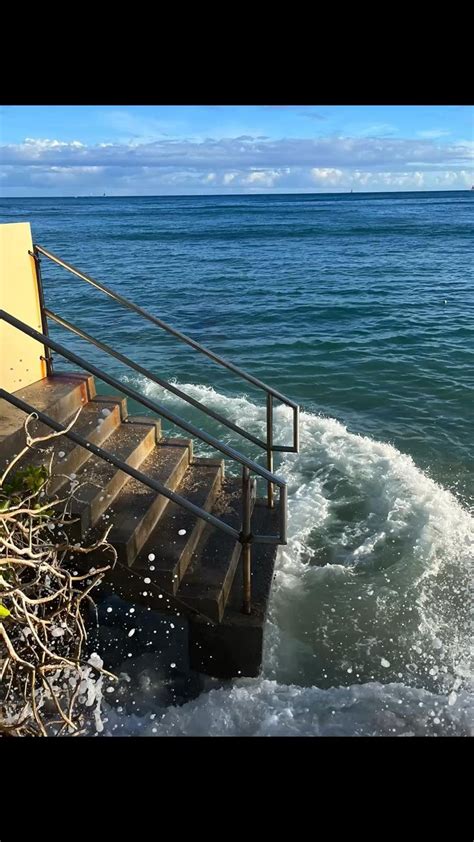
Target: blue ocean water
[(361, 308)]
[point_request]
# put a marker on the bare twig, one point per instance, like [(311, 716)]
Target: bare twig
[(44, 632)]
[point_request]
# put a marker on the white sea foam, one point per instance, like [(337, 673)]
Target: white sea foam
[(264, 708), (376, 571)]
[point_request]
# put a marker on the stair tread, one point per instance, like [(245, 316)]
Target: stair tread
[(145, 419), (88, 424), (126, 443), (51, 395), (199, 485), (120, 443), (48, 391), (157, 465)]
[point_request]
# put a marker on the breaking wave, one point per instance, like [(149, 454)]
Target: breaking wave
[(369, 624)]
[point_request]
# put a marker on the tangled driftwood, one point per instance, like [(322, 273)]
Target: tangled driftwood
[(44, 678)]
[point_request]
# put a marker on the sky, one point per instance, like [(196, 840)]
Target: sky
[(161, 150)]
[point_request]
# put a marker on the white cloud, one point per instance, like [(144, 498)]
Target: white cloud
[(242, 163), (262, 178), (327, 176), (41, 144), (240, 152)]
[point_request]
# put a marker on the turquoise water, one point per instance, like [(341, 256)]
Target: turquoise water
[(361, 308)]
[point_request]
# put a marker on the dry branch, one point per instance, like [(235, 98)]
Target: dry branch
[(43, 672)]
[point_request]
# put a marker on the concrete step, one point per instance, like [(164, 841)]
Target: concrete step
[(147, 420), (58, 396), (171, 552), (98, 419), (208, 580), (234, 647), (137, 509), (102, 481), (118, 399)]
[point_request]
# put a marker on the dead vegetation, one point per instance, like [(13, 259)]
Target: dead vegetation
[(46, 685)]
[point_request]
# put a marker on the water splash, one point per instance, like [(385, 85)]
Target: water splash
[(371, 597)]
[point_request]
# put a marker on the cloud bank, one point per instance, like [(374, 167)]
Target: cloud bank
[(41, 166)]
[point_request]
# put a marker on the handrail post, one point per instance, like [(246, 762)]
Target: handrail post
[(296, 429), (246, 545), (48, 357), (270, 447)]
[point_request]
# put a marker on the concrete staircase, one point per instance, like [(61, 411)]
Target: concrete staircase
[(167, 557)]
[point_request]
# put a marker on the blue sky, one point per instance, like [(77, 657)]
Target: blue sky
[(152, 150)]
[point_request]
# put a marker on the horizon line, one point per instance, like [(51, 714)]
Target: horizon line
[(206, 195)]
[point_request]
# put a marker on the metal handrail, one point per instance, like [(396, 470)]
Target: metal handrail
[(131, 306), (119, 463), (174, 419), (270, 391), (150, 376)]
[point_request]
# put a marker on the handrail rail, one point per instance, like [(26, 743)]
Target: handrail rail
[(177, 333), (148, 374), (271, 393), (154, 406), (119, 463)]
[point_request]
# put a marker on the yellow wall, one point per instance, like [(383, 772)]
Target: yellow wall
[(20, 362)]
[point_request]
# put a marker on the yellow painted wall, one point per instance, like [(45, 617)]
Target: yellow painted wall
[(20, 362)]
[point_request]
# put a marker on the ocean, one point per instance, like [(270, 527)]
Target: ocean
[(361, 308)]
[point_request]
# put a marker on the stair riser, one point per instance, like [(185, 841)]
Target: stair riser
[(214, 607), (171, 579), (229, 579), (128, 550), (121, 403), (207, 584), (70, 403), (156, 511), (148, 420)]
